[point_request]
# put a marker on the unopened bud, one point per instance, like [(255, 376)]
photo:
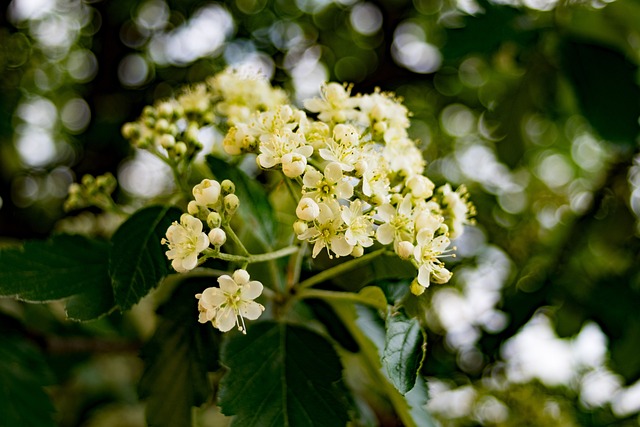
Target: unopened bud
[(416, 288), (293, 164), (217, 237), (231, 203), (180, 148), (357, 251), (193, 208), (214, 220), (307, 209), (207, 192), (167, 141), (299, 227), (165, 109), (227, 187), (405, 249)]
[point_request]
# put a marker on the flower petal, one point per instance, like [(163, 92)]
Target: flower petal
[(250, 310), (251, 290), (227, 284)]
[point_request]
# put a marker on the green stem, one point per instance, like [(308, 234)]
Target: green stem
[(340, 269), (227, 228), (295, 266), (177, 176), (292, 191), (248, 259)]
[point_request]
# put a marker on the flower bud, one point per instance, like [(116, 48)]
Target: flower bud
[(130, 130), (357, 251), (193, 208), (307, 209), (162, 126), (165, 109), (180, 148), (217, 237), (421, 187), (231, 203), (167, 141), (207, 192), (299, 227), (293, 164), (416, 288), (405, 249), (241, 277), (214, 220), (227, 187)]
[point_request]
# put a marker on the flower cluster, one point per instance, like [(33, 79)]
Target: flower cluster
[(356, 177), (360, 177), (231, 303), (92, 191), (214, 204)]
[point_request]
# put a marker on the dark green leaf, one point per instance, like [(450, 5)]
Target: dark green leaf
[(91, 304), (282, 375), (255, 208), (604, 81), (23, 373), (57, 268), (137, 261), (178, 358), (404, 350)]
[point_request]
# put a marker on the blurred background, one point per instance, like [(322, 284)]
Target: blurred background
[(532, 104)]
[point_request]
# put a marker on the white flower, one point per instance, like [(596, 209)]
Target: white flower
[(342, 147), (231, 303), (273, 147), (359, 226), (398, 222), (329, 186), (207, 193), (405, 249), (307, 209), (326, 231), (186, 240), (457, 208), (335, 105), (426, 253)]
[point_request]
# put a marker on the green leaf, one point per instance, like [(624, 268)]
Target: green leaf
[(91, 304), (23, 373), (604, 81), (367, 328), (178, 358), (137, 261), (57, 268), (282, 375), (255, 208), (404, 350)]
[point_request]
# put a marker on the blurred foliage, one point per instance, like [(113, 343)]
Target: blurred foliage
[(534, 105)]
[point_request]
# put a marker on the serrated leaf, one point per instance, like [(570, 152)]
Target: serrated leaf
[(282, 375), (137, 261), (605, 84), (57, 268), (23, 373), (255, 208), (404, 350), (178, 358)]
